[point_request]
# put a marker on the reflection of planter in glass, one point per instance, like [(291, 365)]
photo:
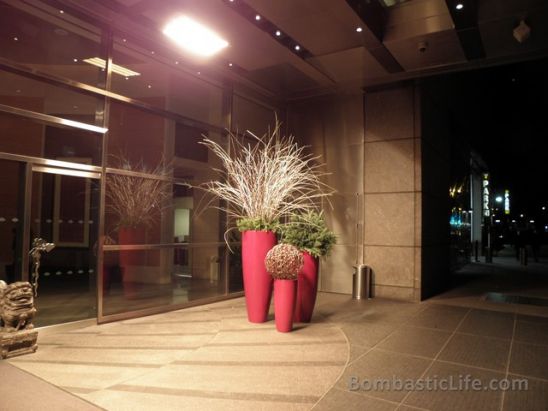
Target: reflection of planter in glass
[(285, 293), (257, 281), (131, 260), (307, 288)]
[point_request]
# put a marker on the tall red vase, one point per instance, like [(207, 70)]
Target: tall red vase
[(285, 293), (307, 288), (130, 260), (257, 281)]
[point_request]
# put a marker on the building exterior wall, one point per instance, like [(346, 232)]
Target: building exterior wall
[(371, 145), (393, 191)]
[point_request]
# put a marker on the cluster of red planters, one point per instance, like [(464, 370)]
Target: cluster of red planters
[(293, 299)]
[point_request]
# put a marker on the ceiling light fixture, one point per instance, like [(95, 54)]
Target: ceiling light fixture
[(459, 6), (278, 33), (194, 37), (359, 29), (257, 17), (99, 62), (297, 47)]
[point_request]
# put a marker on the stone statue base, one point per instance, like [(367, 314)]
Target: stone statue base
[(18, 343)]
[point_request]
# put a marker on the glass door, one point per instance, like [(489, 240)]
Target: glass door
[(63, 205)]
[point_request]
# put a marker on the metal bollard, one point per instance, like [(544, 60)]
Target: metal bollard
[(361, 282), (523, 256), (488, 255)]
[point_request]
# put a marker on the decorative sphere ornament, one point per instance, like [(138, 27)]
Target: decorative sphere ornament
[(284, 261)]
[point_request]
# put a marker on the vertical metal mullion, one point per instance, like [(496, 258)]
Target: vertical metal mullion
[(107, 45), (27, 211), (227, 110)]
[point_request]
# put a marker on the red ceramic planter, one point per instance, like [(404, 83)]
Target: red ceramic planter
[(285, 293), (129, 260), (257, 281), (307, 289)]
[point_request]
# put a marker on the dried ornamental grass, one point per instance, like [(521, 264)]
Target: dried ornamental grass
[(268, 180), (136, 201), (284, 262)]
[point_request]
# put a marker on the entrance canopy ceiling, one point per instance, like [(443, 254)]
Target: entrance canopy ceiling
[(396, 39)]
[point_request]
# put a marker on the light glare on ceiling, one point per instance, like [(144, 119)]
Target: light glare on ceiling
[(194, 37), (99, 62)]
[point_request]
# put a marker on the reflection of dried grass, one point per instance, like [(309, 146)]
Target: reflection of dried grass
[(136, 201), (269, 180)]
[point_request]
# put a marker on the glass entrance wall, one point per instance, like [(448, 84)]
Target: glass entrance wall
[(55, 86)]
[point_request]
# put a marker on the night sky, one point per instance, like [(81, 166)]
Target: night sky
[(503, 111)]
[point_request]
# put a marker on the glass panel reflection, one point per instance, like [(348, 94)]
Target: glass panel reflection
[(64, 211), (21, 92), (26, 137), (165, 86), (140, 279), (49, 43), (11, 220)]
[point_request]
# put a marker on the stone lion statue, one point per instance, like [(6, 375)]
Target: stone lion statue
[(16, 306)]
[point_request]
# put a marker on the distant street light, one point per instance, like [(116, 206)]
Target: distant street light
[(499, 199)]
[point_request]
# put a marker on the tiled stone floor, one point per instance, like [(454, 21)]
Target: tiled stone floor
[(210, 357)]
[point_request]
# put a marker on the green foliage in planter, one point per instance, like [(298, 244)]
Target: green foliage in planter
[(256, 224), (309, 233)]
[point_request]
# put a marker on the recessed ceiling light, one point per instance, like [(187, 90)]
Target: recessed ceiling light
[(297, 47), (124, 40), (99, 62), (359, 29), (459, 6), (61, 11), (75, 60), (149, 86), (230, 64), (257, 17), (176, 62), (278, 33), (194, 37), (16, 39)]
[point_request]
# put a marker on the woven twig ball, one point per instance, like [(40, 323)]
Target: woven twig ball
[(284, 261)]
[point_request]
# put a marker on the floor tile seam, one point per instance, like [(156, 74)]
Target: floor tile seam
[(365, 394), (483, 336), (402, 402), (341, 373), (154, 370), (529, 377), (132, 366), (516, 341), (57, 386), (397, 328), (218, 395), (508, 359), (413, 407)]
